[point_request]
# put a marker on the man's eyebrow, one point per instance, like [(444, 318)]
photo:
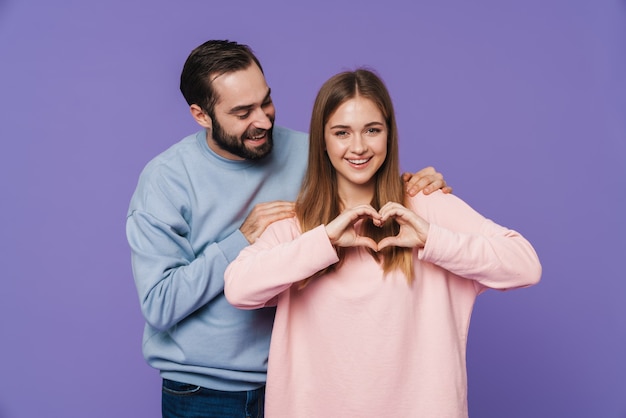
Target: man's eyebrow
[(246, 108), (267, 96)]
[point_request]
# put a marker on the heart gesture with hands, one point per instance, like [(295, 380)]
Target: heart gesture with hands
[(341, 230), (413, 228)]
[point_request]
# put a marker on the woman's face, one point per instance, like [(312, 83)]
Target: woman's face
[(356, 143)]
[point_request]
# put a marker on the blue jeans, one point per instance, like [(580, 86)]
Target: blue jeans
[(181, 400)]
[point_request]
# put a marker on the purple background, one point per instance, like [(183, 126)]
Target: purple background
[(522, 106)]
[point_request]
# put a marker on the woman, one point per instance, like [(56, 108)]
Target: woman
[(374, 290)]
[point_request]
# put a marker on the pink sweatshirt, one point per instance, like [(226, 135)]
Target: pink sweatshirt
[(358, 343)]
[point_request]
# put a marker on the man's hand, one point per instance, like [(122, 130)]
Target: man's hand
[(264, 214), (427, 179)]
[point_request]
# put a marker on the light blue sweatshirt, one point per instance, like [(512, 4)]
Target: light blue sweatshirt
[(183, 230)]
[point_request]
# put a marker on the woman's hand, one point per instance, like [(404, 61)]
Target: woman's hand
[(413, 228), (341, 230)]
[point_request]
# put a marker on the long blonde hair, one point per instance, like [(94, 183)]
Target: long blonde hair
[(318, 201)]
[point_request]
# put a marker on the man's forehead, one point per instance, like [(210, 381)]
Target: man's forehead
[(241, 88)]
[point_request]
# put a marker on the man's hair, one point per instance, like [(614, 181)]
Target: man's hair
[(212, 59), (318, 201)]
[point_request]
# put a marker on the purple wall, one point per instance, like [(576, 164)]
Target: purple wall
[(522, 105)]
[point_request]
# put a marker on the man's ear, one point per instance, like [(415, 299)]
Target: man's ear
[(200, 116)]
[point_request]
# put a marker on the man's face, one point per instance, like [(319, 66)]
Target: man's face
[(243, 117)]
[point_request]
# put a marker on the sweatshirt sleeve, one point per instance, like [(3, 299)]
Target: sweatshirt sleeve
[(173, 280), (279, 258), (467, 244)]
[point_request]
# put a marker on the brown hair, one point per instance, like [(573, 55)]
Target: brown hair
[(207, 61), (318, 201)]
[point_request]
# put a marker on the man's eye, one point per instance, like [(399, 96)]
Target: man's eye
[(243, 116)]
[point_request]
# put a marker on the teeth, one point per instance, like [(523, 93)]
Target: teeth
[(363, 161)]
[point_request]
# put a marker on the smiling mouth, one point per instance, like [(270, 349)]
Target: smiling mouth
[(360, 161), (257, 137)]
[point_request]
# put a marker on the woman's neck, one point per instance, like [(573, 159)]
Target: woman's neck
[(356, 194)]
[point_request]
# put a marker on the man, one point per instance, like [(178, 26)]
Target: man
[(195, 207)]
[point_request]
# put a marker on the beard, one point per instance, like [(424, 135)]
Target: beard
[(236, 145)]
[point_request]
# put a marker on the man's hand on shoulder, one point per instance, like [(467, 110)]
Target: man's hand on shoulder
[(262, 215), (427, 180)]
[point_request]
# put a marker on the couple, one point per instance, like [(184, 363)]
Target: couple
[(198, 204)]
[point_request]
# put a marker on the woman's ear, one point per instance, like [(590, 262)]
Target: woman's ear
[(200, 116)]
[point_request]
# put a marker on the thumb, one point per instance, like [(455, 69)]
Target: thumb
[(387, 242), (366, 242)]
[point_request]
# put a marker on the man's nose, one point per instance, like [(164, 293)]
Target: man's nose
[(261, 119)]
